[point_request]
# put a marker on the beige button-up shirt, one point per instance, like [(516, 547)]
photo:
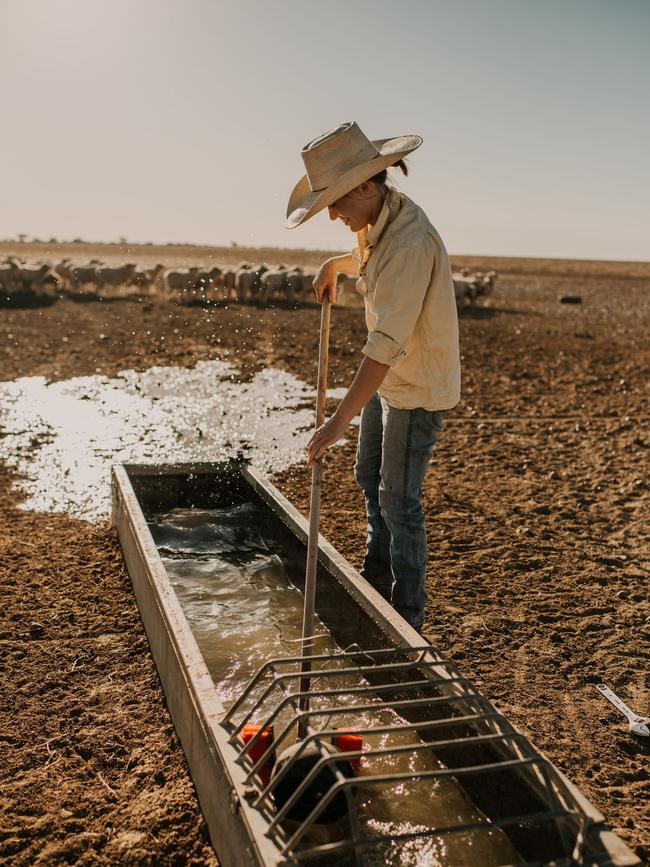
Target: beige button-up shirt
[(405, 278)]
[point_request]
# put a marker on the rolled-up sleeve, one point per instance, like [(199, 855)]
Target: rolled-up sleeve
[(398, 295)]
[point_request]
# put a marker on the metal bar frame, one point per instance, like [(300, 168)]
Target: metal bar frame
[(562, 806)]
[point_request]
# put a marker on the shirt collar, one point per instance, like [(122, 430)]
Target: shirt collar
[(375, 233)]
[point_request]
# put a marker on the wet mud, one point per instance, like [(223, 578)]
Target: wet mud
[(537, 514), (86, 423)]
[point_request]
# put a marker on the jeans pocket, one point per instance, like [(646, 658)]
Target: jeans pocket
[(437, 418)]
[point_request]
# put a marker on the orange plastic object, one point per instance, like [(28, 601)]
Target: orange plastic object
[(349, 742), (262, 745)]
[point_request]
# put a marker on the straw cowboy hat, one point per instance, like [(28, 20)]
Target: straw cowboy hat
[(337, 162)]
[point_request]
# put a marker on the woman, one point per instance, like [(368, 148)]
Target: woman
[(410, 373)]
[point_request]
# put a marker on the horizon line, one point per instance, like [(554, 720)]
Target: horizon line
[(236, 246)]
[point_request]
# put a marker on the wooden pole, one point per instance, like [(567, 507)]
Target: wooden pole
[(314, 508)]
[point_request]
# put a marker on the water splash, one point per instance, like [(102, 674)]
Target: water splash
[(63, 436)]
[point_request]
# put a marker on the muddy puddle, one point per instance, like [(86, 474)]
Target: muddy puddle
[(62, 437), (243, 608)]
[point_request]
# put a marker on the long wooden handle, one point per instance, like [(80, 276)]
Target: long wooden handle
[(314, 509)]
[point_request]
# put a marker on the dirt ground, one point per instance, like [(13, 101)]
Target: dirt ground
[(537, 515)]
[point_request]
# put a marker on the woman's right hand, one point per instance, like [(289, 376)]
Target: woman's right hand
[(325, 281)]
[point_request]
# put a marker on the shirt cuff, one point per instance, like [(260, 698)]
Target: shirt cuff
[(382, 348)]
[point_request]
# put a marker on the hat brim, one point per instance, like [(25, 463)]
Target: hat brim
[(305, 202)]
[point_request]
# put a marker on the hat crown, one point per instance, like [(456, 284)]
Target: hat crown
[(332, 154)]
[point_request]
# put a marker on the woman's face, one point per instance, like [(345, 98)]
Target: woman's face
[(358, 208)]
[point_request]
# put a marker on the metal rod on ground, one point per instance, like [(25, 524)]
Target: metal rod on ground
[(314, 508)]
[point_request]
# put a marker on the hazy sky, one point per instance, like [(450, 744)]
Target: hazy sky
[(183, 120)]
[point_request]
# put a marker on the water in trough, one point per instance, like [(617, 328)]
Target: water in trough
[(244, 609)]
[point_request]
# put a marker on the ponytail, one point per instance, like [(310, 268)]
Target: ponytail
[(401, 164), (381, 177)]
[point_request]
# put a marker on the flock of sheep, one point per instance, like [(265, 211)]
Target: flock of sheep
[(469, 287), (247, 283)]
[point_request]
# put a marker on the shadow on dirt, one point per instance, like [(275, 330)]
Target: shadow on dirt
[(490, 312), (26, 300)]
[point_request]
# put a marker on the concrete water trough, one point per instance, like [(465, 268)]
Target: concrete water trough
[(472, 788)]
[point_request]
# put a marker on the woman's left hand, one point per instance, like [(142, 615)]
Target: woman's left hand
[(324, 436)]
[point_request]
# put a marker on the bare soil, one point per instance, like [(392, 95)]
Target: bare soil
[(537, 514)]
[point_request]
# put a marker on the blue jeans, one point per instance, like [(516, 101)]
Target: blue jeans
[(395, 447)]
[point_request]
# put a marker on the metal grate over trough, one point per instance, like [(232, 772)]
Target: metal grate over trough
[(410, 680), (513, 786)]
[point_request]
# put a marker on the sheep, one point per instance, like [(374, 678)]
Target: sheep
[(33, 278), (275, 282), (8, 277), (245, 282), (181, 282), (464, 290), (156, 276), (294, 285), (486, 285), (141, 278), (208, 283), (468, 287), (33, 273), (229, 282), (63, 270), (144, 278), (10, 266), (26, 281), (249, 282), (80, 275), (114, 277)]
